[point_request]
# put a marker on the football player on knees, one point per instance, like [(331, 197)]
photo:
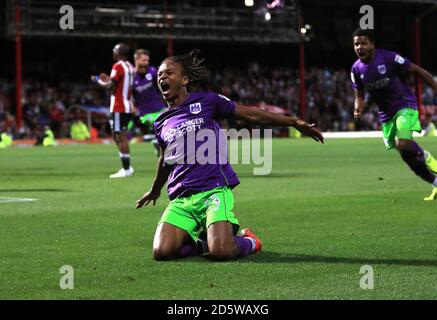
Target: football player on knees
[(201, 194)]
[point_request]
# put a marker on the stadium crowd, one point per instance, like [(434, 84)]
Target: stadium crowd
[(329, 99), (52, 105)]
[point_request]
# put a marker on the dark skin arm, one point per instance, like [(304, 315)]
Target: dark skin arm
[(161, 177), (359, 103), (259, 116), (413, 69), (106, 82), (424, 75)]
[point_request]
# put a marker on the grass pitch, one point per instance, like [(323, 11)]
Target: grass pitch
[(323, 213)]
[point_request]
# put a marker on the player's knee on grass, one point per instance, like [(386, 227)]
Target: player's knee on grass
[(222, 249), (167, 242), (163, 252), (160, 254), (221, 241)]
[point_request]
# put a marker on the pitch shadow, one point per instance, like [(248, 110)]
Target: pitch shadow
[(274, 257)]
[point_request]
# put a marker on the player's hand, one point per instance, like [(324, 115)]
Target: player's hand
[(147, 197), (135, 110), (309, 130), (357, 113), (104, 77)]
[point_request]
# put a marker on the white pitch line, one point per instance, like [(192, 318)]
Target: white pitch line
[(9, 200)]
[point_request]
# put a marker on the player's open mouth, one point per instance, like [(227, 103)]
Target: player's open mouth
[(362, 54), (165, 87)]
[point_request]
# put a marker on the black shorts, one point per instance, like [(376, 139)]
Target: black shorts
[(119, 121)]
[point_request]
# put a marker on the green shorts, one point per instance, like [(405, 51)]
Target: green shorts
[(401, 126), (150, 118), (196, 213)]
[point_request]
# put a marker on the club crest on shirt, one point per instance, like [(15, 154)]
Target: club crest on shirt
[(195, 108), (149, 77), (382, 69)]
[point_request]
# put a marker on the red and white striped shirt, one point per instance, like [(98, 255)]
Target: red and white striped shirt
[(122, 73)]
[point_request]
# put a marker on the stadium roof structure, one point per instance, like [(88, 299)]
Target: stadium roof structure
[(176, 19), (413, 1), (361, 2)]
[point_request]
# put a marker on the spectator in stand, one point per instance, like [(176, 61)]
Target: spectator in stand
[(79, 130), (328, 98)]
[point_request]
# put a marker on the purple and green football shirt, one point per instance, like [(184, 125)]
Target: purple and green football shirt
[(199, 111), (382, 78), (146, 93)]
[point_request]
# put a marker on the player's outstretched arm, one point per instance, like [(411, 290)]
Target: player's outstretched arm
[(104, 81), (424, 75), (154, 193), (359, 103), (258, 116)]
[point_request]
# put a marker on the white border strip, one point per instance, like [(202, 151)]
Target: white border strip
[(9, 200), (358, 134)]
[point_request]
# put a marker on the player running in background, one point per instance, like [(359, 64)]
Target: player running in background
[(382, 74), (147, 98), (120, 85), (201, 194)]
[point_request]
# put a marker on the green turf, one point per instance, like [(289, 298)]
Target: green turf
[(325, 211)]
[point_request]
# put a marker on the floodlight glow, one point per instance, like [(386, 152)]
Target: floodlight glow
[(248, 3), (109, 10), (267, 16)]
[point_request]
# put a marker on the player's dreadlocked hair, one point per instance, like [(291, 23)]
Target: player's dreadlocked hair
[(192, 68)]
